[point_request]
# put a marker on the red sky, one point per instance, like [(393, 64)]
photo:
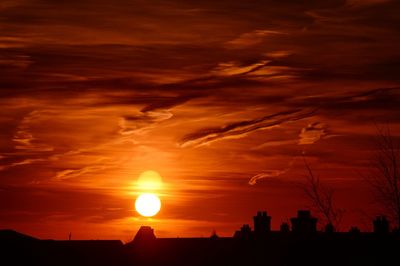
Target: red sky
[(208, 93)]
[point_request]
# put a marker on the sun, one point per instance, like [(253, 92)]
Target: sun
[(147, 204)]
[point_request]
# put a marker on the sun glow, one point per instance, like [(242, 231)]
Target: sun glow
[(149, 180), (147, 204)]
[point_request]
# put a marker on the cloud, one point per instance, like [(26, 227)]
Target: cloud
[(13, 42), (271, 173), (74, 173), (21, 162), (142, 122), (362, 3), (380, 98), (275, 144), (249, 39), (312, 133), (234, 68), (242, 128), (279, 54), (23, 137), (267, 174), (157, 111), (168, 102)]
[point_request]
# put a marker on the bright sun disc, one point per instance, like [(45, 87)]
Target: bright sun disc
[(148, 204)]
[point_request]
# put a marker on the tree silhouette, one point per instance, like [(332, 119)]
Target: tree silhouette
[(385, 175), (322, 199)]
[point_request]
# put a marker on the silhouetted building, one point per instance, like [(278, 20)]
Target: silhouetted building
[(7, 235), (244, 232), (145, 234), (396, 230), (329, 228), (214, 235), (262, 223), (354, 230), (304, 223), (285, 228), (381, 225)]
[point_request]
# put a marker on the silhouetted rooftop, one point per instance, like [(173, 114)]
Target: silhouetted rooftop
[(11, 235)]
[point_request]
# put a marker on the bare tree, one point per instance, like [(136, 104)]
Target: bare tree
[(322, 199), (385, 175)]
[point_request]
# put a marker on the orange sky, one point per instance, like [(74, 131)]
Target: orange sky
[(208, 93)]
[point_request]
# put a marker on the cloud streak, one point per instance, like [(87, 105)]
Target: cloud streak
[(312, 133), (249, 39), (271, 173), (242, 128)]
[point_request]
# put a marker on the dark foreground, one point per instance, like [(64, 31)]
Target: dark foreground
[(320, 249)]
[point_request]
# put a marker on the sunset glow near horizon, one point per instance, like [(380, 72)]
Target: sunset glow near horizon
[(147, 203), (211, 105)]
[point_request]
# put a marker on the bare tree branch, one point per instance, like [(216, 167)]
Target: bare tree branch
[(321, 198), (384, 178)]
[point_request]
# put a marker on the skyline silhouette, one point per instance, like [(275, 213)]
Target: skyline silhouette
[(302, 244), (302, 224)]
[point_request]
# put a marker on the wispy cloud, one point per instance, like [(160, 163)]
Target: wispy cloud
[(312, 133), (23, 137), (93, 168), (266, 174), (242, 128), (140, 123), (249, 39), (271, 173), (234, 68), (362, 3), (165, 103)]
